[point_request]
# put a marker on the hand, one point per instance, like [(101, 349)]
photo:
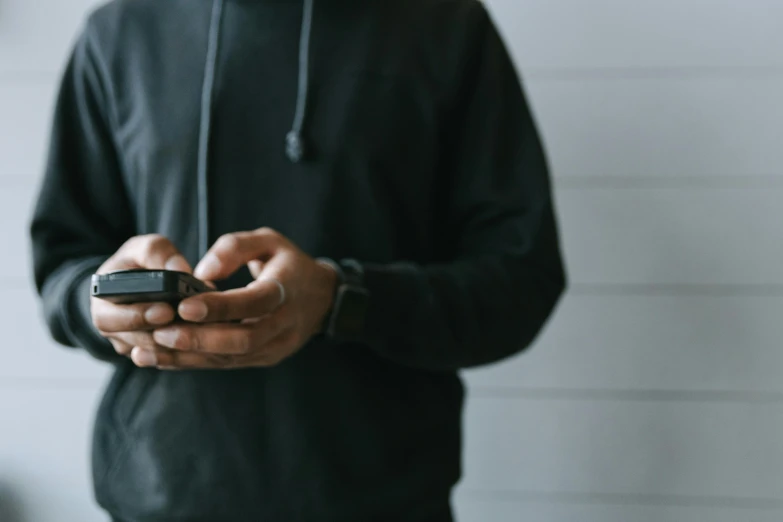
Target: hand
[(129, 327), (278, 313)]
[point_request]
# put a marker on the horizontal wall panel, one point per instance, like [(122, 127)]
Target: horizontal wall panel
[(626, 448), (693, 128), (591, 127), (661, 128), (44, 455), (669, 236), (16, 207), (557, 34), (37, 36), (35, 356), (32, 355), (725, 346), (542, 33), (648, 237), (557, 509), (25, 116)]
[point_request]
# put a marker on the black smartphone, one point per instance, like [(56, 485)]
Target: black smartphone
[(146, 286)]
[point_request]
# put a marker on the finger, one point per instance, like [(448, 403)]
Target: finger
[(233, 251), (110, 318), (220, 338), (174, 360), (144, 358), (151, 251), (277, 350), (171, 360), (257, 299), (121, 348), (142, 340)]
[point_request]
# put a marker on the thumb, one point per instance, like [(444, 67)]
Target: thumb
[(233, 251), (178, 263)]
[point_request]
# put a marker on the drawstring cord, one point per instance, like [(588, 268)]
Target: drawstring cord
[(296, 149), (206, 126), (295, 144)]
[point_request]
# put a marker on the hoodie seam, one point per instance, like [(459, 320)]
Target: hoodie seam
[(109, 100), (103, 71)]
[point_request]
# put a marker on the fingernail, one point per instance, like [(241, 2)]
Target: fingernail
[(193, 310), (143, 357), (179, 263), (159, 314), (207, 267), (166, 337)]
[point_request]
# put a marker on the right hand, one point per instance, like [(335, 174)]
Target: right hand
[(129, 327)]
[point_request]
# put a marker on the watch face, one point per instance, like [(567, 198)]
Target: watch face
[(351, 312)]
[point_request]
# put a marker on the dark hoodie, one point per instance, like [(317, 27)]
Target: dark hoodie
[(392, 132)]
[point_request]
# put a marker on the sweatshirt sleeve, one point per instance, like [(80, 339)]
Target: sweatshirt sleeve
[(82, 214), (503, 273)]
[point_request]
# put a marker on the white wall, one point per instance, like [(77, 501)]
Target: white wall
[(655, 394)]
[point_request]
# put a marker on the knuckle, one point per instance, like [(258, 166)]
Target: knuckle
[(146, 341), (176, 360), (131, 243), (153, 243), (165, 358), (110, 264), (135, 319), (146, 250), (228, 243), (247, 341), (269, 233), (154, 238), (217, 308), (186, 340)]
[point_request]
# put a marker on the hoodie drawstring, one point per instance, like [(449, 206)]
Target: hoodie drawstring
[(206, 126), (295, 143)]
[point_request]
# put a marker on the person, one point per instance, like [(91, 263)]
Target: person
[(363, 183)]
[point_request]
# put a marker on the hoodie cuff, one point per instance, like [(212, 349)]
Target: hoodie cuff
[(398, 305), (77, 316)]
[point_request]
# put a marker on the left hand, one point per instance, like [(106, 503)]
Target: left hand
[(259, 325)]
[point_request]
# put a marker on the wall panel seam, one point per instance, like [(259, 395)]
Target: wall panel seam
[(598, 395), (622, 499)]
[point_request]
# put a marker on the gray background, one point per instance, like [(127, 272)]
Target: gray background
[(655, 393)]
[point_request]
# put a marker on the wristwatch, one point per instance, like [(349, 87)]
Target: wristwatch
[(345, 322)]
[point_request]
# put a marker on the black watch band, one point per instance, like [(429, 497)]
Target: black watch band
[(352, 272), (345, 322)]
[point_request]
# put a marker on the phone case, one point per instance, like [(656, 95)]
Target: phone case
[(145, 286)]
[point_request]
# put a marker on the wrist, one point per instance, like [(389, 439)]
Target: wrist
[(329, 281)]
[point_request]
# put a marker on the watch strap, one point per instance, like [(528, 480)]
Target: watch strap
[(350, 274)]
